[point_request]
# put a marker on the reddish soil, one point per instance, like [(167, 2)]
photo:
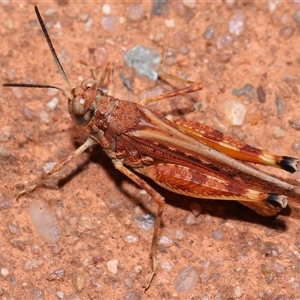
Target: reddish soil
[(236, 253)]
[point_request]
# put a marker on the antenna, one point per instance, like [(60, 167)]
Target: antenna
[(57, 62)]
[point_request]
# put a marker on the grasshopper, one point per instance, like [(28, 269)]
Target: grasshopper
[(184, 157)]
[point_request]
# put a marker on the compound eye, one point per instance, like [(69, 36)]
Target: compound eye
[(89, 85), (79, 106)]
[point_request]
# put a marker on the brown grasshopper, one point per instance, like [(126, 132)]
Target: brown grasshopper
[(185, 157)]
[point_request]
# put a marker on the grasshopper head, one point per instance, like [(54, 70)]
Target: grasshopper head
[(82, 100)]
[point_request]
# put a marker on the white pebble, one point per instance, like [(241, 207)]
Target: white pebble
[(138, 269), (53, 103), (88, 24), (165, 241), (278, 132), (49, 166), (186, 280), (189, 3), (4, 272), (130, 238), (238, 292), (44, 117), (237, 23), (44, 221), (166, 266), (235, 112), (60, 294), (170, 23), (106, 9), (112, 266)]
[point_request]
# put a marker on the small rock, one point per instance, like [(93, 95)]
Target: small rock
[(79, 281), (145, 222), (145, 61), (287, 32), (209, 32), (134, 13), (235, 112), (112, 266), (109, 23), (218, 235), (261, 95), (186, 280), (236, 23), (56, 275), (106, 9)]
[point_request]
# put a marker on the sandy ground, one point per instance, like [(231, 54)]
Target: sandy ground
[(235, 253)]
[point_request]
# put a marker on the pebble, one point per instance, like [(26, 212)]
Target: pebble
[(50, 12), (190, 219), (14, 229), (268, 274), (112, 201), (44, 221), (112, 266), (235, 112), (279, 133), (279, 268), (130, 238), (236, 23), (144, 222), (109, 23), (28, 114), (238, 292), (106, 9), (58, 274), (157, 7), (189, 3), (83, 17), (223, 42), (247, 90), (286, 32), (132, 295), (297, 18), (45, 117), (290, 78), (165, 241), (230, 3), (209, 32), (166, 266), (60, 294), (79, 281), (4, 151), (88, 25), (261, 95), (37, 294), (85, 222), (18, 244), (195, 208), (294, 124), (179, 235), (170, 23), (205, 276), (4, 272), (218, 235), (135, 13), (145, 61), (186, 280), (52, 103), (35, 249), (280, 104)]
